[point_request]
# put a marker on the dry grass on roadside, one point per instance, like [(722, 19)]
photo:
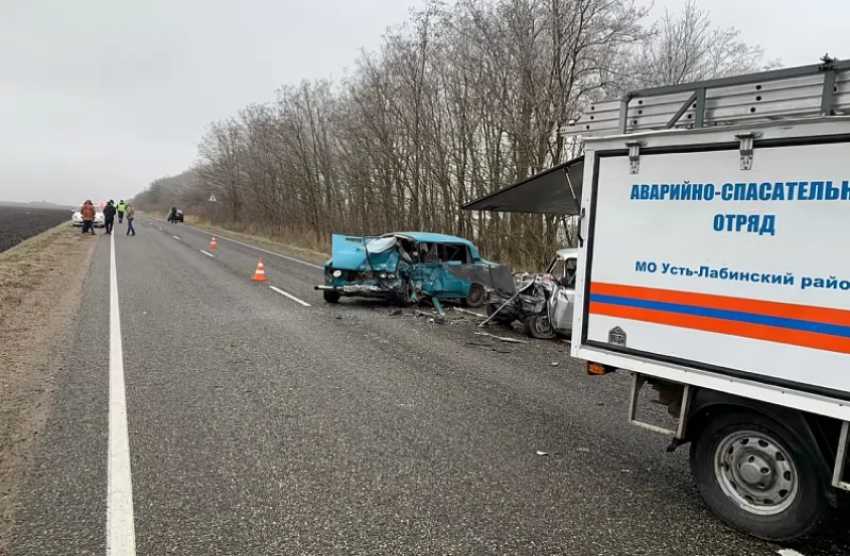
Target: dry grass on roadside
[(32, 274), (305, 248), (24, 266)]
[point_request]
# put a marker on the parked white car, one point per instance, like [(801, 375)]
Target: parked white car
[(99, 218)]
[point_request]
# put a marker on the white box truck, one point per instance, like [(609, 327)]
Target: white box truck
[(715, 266)]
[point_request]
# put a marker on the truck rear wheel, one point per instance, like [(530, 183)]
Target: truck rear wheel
[(757, 477)]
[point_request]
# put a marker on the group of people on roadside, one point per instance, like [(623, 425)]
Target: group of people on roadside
[(109, 212)]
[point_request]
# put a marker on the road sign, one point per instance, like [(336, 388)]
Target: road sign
[(212, 198)]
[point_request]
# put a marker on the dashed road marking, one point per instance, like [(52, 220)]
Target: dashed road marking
[(243, 244), (260, 249), (207, 254), (290, 296), (175, 237), (120, 530), (788, 552)]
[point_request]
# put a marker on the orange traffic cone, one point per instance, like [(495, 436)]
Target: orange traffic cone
[(260, 273), (213, 244)]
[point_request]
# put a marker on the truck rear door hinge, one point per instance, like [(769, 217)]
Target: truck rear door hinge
[(634, 155), (746, 148)]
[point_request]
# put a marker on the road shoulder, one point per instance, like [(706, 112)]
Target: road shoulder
[(40, 290)]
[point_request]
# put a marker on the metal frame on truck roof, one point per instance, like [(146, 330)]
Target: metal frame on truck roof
[(805, 91)]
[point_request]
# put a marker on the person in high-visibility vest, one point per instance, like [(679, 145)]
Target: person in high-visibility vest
[(121, 208)]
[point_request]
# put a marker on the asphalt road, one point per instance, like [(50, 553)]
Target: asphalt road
[(258, 425)]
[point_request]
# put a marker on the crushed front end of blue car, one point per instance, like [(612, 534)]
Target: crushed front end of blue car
[(364, 266)]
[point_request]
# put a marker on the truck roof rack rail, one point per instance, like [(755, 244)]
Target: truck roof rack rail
[(806, 91)]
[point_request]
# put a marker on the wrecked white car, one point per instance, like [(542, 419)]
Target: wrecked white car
[(543, 302)]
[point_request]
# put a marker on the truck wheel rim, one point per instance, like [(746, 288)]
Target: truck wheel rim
[(756, 472)]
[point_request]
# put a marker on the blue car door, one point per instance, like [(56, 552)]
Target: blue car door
[(453, 254), (425, 267)]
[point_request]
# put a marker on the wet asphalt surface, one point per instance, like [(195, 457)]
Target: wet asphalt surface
[(260, 426)]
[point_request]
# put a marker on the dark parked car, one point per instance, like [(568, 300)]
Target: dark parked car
[(175, 215)]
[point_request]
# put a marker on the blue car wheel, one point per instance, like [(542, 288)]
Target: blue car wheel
[(331, 296), (476, 296)]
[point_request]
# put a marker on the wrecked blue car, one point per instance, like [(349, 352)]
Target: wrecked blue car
[(404, 267)]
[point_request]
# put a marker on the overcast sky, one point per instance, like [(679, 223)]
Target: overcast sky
[(100, 97)]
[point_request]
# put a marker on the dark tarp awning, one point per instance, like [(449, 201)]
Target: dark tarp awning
[(553, 191)]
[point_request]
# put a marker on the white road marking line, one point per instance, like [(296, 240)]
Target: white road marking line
[(120, 531), (160, 229), (290, 296), (207, 254), (175, 237), (788, 552)]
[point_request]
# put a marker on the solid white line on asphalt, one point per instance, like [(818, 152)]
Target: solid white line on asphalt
[(207, 254), (175, 237), (290, 296), (120, 532)]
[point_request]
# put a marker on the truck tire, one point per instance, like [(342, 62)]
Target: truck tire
[(331, 296), (758, 477)]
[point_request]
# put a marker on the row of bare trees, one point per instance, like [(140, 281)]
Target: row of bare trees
[(461, 100)]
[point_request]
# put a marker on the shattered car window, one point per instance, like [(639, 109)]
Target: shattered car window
[(429, 253), (453, 252), (557, 268), (408, 250)]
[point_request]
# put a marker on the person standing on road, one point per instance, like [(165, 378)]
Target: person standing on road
[(109, 216), (131, 214), (88, 213), (121, 209)]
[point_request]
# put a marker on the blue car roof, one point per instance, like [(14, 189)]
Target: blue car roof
[(435, 238)]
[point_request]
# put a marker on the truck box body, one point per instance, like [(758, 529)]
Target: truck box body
[(713, 220), (698, 271)]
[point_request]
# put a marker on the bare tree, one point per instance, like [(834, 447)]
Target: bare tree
[(459, 101), (691, 48)]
